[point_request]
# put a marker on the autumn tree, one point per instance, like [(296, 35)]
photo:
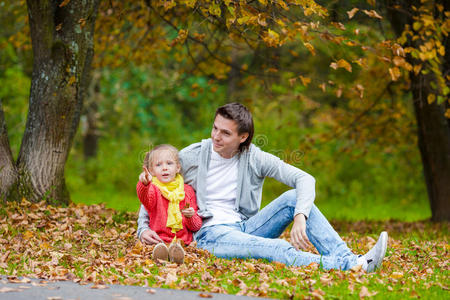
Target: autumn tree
[(62, 42), (423, 27)]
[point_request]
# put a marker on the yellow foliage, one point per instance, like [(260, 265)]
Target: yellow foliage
[(305, 80)]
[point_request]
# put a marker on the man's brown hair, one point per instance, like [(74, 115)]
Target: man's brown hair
[(242, 116)]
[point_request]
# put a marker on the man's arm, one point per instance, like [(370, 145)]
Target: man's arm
[(144, 233), (143, 221), (304, 184)]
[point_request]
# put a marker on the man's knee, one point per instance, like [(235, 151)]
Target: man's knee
[(290, 197)]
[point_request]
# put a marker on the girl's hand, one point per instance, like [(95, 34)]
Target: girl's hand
[(188, 212), (145, 177)]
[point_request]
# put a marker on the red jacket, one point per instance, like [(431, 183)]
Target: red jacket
[(156, 206)]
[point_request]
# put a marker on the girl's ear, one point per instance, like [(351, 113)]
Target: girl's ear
[(178, 167)]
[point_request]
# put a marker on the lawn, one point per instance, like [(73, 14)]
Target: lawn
[(91, 243)]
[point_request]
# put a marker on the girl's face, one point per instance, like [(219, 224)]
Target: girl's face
[(164, 166)]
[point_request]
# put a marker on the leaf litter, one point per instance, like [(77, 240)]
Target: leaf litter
[(94, 244)]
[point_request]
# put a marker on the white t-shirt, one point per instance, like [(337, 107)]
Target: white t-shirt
[(221, 190)]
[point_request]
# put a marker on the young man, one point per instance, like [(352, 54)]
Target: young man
[(228, 172)]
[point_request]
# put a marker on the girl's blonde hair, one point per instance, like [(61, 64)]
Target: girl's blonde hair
[(150, 156)]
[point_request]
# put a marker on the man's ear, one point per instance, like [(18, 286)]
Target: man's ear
[(244, 137)]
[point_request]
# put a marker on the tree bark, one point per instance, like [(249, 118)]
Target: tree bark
[(62, 41), (432, 125), (434, 144), (8, 172)]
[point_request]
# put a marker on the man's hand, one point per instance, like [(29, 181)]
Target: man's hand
[(188, 212), (150, 237), (145, 177), (299, 239)]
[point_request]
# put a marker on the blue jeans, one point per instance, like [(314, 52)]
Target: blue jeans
[(257, 237)]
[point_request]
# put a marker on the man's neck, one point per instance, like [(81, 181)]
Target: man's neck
[(226, 155)]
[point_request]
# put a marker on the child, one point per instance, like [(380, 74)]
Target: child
[(171, 204)]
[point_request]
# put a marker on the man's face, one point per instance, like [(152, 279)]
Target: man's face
[(225, 137)]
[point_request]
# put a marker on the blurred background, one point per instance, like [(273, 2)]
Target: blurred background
[(355, 132)]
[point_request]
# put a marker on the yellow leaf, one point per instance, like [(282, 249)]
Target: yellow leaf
[(417, 26), (447, 113), (342, 63), (395, 73), (417, 69), (431, 98), (396, 275), (310, 48), (214, 9), (352, 12), (305, 80), (71, 80), (28, 235), (283, 5), (44, 245)]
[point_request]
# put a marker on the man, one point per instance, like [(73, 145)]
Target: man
[(228, 172)]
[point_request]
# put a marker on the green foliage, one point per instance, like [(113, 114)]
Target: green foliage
[(14, 92)]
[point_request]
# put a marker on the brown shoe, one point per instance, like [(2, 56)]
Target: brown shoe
[(160, 252), (176, 253)]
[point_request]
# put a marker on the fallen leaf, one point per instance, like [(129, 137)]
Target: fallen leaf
[(205, 295)]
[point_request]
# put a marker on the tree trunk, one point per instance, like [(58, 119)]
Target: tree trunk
[(433, 127), (434, 144), (8, 172), (62, 41)]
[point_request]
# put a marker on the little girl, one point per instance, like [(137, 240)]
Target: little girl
[(171, 204)]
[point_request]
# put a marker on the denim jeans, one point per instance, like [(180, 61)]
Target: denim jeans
[(257, 237)]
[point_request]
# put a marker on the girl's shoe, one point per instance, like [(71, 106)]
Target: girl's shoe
[(160, 252), (176, 253)]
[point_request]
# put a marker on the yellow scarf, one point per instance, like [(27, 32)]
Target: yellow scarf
[(174, 192)]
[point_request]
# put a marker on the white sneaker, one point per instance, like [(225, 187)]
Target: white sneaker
[(373, 259)]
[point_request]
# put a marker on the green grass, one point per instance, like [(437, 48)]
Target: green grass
[(334, 209)]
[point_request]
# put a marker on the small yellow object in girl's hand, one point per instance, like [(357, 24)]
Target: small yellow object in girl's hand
[(186, 205)]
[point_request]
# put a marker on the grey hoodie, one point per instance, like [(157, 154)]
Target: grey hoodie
[(253, 166)]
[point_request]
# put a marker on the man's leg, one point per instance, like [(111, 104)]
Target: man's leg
[(272, 220), (228, 241)]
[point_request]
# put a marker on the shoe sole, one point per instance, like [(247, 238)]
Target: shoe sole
[(160, 252), (176, 254)]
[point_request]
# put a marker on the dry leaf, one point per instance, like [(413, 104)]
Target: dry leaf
[(64, 3), (352, 12), (205, 295)]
